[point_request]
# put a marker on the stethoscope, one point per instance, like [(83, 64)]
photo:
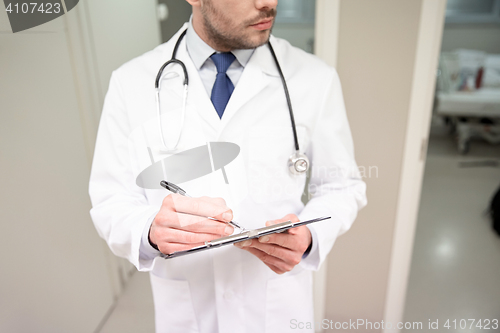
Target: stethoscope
[(298, 163)]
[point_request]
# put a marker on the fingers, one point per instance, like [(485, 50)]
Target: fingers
[(283, 240), (292, 239), (226, 215), (291, 217), (193, 223), (204, 206), (172, 240), (273, 222), (276, 265), (168, 248), (281, 253), (181, 212), (218, 200), (210, 227), (169, 235), (288, 217), (182, 222)]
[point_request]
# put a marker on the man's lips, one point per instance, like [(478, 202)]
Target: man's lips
[(263, 24)]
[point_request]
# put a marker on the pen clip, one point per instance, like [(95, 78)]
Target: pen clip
[(172, 187)]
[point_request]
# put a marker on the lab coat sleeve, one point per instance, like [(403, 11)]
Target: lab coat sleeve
[(120, 210), (335, 188)]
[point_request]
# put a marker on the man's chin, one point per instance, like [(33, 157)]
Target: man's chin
[(260, 38), (249, 39)]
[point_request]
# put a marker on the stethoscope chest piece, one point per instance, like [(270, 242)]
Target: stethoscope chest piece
[(298, 164)]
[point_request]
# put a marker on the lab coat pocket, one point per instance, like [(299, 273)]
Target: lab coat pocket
[(269, 149), (174, 310), (289, 304)]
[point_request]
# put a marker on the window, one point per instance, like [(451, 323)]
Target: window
[(296, 11), (473, 11)]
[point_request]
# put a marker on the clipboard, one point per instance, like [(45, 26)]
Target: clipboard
[(246, 235)]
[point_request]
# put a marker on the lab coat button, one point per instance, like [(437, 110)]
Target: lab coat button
[(228, 295)]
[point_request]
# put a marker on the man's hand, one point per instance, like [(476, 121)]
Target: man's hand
[(182, 222), (280, 252)]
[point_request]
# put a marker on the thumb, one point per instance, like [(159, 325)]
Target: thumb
[(272, 222)]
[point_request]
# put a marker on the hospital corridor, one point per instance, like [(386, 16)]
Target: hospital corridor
[(248, 166), (455, 270)]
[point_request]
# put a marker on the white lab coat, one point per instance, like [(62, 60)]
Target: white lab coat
[(228, 290)]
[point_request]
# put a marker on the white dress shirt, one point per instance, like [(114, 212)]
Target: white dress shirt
[(200, 53)]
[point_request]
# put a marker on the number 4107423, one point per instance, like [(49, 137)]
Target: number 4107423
[(31, 8), (485, 324)]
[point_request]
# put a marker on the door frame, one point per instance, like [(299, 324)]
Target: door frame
[(326, 35), (415, 150), (431, 25)]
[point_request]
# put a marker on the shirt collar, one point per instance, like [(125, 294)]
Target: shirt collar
[(199, 51)]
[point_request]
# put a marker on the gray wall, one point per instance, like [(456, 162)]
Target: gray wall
[(56, 274), (179, 12)]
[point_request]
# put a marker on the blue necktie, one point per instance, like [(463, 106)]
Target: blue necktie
[(223, 87)]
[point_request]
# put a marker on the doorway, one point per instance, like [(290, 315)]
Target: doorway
[(455, 266)]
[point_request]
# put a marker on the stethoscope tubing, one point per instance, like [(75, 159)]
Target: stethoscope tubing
[(287, 95), (296, 156), (173, 60)]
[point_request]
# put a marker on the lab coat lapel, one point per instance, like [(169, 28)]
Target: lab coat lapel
[(254, 79)]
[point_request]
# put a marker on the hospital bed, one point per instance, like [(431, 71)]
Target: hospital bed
[(468, 96)]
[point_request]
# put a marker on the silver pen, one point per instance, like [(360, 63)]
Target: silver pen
[(176, 189)]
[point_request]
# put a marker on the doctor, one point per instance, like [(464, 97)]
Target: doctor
[(235, 94)]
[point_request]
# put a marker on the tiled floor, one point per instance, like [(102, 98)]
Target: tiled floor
[(455, 272)]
